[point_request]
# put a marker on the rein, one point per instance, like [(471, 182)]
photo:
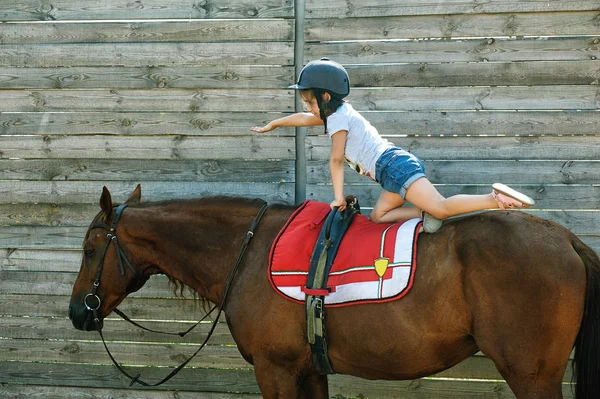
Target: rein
[(122, 258)]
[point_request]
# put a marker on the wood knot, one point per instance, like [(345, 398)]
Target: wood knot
[(229, 75), (251, 12), (71, 349)]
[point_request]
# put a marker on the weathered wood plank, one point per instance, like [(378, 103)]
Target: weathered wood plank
[(477, 98), (35, 330), (521, 172), (148, 77), (84, 192), (36, 10), (41, 237), (479, 122), (31, 214), (137, 123), (184, 311), (466, 50), (439, 171), (534, 73), (575, 97), (169, 100), (480, 147), (238, 123), (486, 123), (382, 8), (12, 259), (158, 31), (440, 25), (247, 148), (17, 391), (98, 376), (203, 380), (135, 354), (52, 283), (388, 123), (272, 171), (146, 54)]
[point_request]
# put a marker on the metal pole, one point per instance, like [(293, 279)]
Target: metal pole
[(300, 187)]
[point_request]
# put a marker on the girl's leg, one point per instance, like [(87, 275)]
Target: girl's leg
[(425, 196), (389, 209)]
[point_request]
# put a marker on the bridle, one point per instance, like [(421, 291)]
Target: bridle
[(111, 236)]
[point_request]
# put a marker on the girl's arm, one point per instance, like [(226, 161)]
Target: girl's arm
[(336, 167), (296, 120)]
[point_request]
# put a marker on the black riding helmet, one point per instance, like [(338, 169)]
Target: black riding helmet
[(323, 76), (326, 75)]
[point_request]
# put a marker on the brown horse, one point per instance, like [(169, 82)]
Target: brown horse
[(520, 289)]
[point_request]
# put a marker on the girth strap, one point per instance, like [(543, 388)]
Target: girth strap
[(316, 289)]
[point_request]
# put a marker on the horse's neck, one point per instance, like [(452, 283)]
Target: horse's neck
[(198, 246)]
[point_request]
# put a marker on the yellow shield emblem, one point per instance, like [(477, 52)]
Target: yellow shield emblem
[(381, 265)]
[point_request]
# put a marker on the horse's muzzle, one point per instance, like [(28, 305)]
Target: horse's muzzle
[(82, 318)]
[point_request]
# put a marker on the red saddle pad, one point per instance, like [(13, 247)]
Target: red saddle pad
[(375, 262)]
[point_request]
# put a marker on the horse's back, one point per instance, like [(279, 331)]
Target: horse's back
[(524, 285), (514, 263), (514, 246), (488, 282)]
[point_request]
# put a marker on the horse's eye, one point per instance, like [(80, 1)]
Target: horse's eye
[(89, 252)]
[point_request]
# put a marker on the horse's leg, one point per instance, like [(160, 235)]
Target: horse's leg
[(282, 381), (531, 353), (315, 386), (542, 383), (276, 381)]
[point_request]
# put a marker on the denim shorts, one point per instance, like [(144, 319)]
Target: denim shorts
[(397, 169)]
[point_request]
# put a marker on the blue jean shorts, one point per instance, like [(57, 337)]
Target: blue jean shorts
[(397, 169)]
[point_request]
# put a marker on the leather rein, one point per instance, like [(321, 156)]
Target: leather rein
[(122, 259)]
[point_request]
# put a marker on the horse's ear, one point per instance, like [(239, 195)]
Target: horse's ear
[(106, 202), (135, 196)]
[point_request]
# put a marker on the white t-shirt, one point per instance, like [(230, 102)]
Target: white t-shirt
[(364, 145)]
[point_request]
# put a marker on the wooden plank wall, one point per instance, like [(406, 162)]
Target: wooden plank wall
[(115, 93), (162, 92)]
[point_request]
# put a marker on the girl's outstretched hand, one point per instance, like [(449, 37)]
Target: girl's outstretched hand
[(267, 128)]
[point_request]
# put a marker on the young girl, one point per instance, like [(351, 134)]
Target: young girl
[(323, 84)]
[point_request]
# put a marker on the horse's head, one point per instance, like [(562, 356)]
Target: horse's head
[(108, 272)]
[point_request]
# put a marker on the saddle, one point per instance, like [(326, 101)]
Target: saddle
[(315, 263), (316, 288)]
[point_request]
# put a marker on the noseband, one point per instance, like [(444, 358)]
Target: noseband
[(122, 258)]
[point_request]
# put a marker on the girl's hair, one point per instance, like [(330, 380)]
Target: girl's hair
[(325, 108)]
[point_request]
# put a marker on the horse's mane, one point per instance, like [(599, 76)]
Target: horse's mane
[(213, 200), (179, 288)]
